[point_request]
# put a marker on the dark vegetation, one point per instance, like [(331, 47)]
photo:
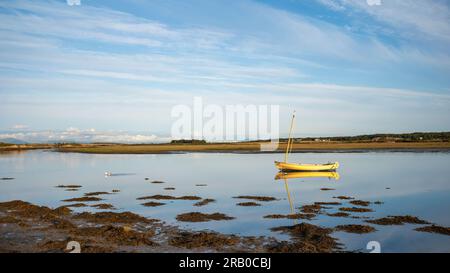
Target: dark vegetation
[(188, 141), (409, 137)]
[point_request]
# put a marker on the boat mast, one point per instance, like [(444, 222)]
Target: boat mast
[(289, 139)]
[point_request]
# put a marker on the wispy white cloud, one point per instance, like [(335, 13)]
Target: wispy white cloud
[(56, 19), (82, 136), (19, 127), (332, 4), (410, 18)]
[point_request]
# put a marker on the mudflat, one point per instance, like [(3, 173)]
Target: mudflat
[(237, 147)]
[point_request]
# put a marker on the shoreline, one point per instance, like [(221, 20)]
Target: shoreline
[(238, 148)]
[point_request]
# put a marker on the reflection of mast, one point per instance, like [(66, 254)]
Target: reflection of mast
[(297, 175), (289, 198), (289, 195)]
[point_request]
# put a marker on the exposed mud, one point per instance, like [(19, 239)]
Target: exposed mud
[(169, 189), (202, 217), (359, 229), (157, 182), (397, 220), (328, 203), (169, 197), (59, 246), (69, 186), (153, 204), (201, 185), (306, 216), (204, 202), (203, 240), (275, 216), (314, 208), (360, 203), (32, 228), (339, 214), (257, 198), (118, 235), (8, 220), (327, 189), (71, 189), (103, 206), (76, 205), (306, 238), (248, 204), (27, 210), (355, 209), (59, 226), (83, 199), (96, 193), (342, 197), (435, 229), (7, 178), (113, 217)]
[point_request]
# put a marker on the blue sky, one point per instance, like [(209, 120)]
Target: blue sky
[(108, 66)]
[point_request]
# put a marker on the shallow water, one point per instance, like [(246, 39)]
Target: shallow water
[(418, 183)]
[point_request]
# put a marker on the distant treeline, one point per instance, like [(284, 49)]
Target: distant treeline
[(188, 141), (410, 137)]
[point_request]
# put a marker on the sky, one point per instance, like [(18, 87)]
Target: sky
[(113, 70)]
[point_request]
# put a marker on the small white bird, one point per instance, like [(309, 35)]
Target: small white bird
[(108, 174)]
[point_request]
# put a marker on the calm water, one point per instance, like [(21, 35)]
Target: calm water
[(419, 186)]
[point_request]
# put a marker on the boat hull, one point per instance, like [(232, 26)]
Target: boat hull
[(284, 166)]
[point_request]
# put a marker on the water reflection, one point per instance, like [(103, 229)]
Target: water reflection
[(291, 175), (296, 175), (407, 184)]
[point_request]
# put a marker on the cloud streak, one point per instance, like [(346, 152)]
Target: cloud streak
[(82, 136)]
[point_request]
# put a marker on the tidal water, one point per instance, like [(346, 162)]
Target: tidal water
[(407, 183)]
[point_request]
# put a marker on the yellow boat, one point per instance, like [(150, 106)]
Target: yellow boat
[(293, 175), (283, 166), (286, 166)]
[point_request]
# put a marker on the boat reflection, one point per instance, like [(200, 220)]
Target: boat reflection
[(291, 175), (306, 175)]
